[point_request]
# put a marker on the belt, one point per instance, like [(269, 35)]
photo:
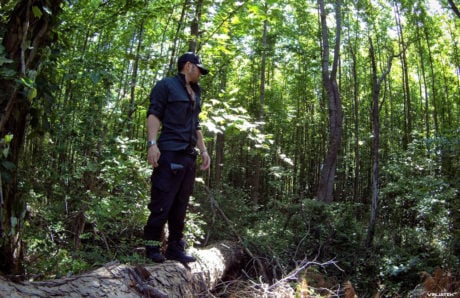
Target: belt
[(190, 151)]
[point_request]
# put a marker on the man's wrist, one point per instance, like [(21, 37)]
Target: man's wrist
[(151, 143), (203, 151)]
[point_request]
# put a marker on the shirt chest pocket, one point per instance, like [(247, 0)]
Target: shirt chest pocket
[(178, 110)]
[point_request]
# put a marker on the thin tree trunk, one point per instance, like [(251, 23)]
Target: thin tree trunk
[(376, 86), (454, 7), (434, 97), (424, 84), (218, 164), (195, 27), (356, 173), (176, 38), (263, 67), (132, 101), (405, 78), (326, 183), (255, 185)]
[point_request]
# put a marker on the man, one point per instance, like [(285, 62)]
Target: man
[(175, 104)]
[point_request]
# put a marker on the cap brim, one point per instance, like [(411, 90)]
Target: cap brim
[(203, 70)]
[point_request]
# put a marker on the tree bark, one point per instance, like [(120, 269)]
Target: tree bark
[(407, 139), (376, 87), (132, 101), (256, 160), (454, 7), (326, 183), (219, 159), (195, 34), (174, 47), (356, 173), (169, 279)]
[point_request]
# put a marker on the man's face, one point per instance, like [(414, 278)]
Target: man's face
[(193, 72)]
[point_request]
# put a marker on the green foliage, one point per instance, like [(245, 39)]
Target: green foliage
[(45, 259), (325, 232), (416, 224), (5, 72), (283, 233), (234, 202), (112, 217), (225, 116), (195, 230)]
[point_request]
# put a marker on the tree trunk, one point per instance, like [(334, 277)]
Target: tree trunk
[(356, 174), (27, 34), (132, 101), (169, 279), (405, 78), (434, 90), (219, 161), (454, 7), (423, 82), (195, 28), (174, 46), (326, 183), (255, 183), (376, 86)]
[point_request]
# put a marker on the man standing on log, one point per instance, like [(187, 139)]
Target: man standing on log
[(175, 104)]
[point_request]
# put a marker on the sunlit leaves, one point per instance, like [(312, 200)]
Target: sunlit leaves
[(220, 117)]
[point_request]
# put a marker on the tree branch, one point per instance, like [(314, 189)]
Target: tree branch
[(454, 8)]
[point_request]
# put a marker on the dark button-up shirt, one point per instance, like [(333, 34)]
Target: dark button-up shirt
[(172, 105)]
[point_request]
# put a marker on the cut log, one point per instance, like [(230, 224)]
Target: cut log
[(169, 279)]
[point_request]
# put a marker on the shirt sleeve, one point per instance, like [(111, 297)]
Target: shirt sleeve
[(158, 99)]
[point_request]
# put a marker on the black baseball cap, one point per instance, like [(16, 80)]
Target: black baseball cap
[(193, 58)]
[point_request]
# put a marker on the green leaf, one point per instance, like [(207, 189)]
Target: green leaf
[(13, 221), (27, 82), (32, 93), (7, 73), (95, 77), (8, 165), (4, 60), (8, 138), (5, 152), (37, 12)]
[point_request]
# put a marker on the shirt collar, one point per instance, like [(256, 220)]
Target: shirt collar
[(181, 77)]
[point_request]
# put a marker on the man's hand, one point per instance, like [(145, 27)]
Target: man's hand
[(205, 160), (153, 155)]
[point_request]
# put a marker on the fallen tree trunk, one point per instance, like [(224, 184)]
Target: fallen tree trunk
[(169, 279)]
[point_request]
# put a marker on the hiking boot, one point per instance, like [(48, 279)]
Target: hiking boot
[(153, 253), (176, 251)]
